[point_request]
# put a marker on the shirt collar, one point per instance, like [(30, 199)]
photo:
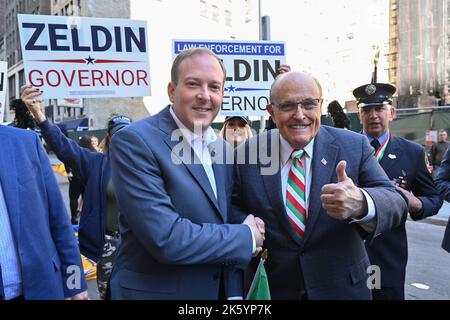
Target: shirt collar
[(381, 139), (286, 150), (209, 136)]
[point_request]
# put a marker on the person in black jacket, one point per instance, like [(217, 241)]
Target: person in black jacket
[(443, 185), (98, 231), (76, 187)]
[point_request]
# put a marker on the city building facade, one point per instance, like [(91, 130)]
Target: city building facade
[(419, 64)]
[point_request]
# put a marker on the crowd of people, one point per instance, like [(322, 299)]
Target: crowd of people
[(167, 215)]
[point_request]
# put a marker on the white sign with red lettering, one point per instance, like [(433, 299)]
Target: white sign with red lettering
[(73, 57)]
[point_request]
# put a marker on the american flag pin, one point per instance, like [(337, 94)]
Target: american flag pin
[(324, 161)]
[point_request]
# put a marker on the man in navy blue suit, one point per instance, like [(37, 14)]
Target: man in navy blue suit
[(443, 185), (404, 163), (175, 201), (319, 192), (39, 256)]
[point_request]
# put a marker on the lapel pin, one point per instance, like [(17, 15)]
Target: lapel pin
[(324, 161), (392, 156)]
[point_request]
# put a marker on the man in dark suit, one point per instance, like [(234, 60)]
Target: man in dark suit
[(319, 191), (443, 185), (404, 162), (174, 200), (39, 256)]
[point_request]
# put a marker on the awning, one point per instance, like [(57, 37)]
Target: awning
[(74, 125)]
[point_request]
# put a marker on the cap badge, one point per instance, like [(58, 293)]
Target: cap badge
[(370, 89)]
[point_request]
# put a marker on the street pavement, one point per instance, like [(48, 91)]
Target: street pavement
[(428, 269)]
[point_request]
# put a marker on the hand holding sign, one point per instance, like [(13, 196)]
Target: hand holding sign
[(32, 99), (343, 200)]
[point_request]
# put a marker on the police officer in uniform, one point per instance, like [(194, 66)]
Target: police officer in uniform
[(404, 163)]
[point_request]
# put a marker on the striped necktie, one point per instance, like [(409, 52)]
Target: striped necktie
[(295, 194)]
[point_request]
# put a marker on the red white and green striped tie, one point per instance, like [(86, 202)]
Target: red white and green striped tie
[(296, 195)]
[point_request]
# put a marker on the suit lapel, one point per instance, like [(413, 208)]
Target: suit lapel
[(391, 149), (272, 185), (191, 161), (8, 178), (324, 148)]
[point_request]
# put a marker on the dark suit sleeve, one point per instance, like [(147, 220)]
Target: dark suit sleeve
[(443, 177), (390, 205), (68, 151), (238, 213), (147, 207), (61, 230), (425, 190)]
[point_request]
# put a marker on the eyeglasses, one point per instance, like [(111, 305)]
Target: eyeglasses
[(308, 104)]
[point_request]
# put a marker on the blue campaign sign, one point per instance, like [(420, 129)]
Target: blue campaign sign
[(251, 68), (234, 48)]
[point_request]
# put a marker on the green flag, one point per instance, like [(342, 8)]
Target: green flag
[(259, 289)]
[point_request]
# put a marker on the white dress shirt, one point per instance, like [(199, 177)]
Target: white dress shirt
[(367, 222), (200, 146)]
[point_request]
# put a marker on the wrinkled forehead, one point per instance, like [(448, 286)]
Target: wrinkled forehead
[(294, 85)]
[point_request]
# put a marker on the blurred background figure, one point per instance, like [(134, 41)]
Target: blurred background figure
[(438, 150), (236, 129), (340, 119), (22, 117), (94, 144), (270, 124)]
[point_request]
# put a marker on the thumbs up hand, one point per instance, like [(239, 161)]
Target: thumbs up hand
[(343, 200)]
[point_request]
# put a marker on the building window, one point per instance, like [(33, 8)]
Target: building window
[(227, 18), (203, 8), (215, 13), (12, 87), (21, 78), (394, 21), (393, 42), (248, 11)]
